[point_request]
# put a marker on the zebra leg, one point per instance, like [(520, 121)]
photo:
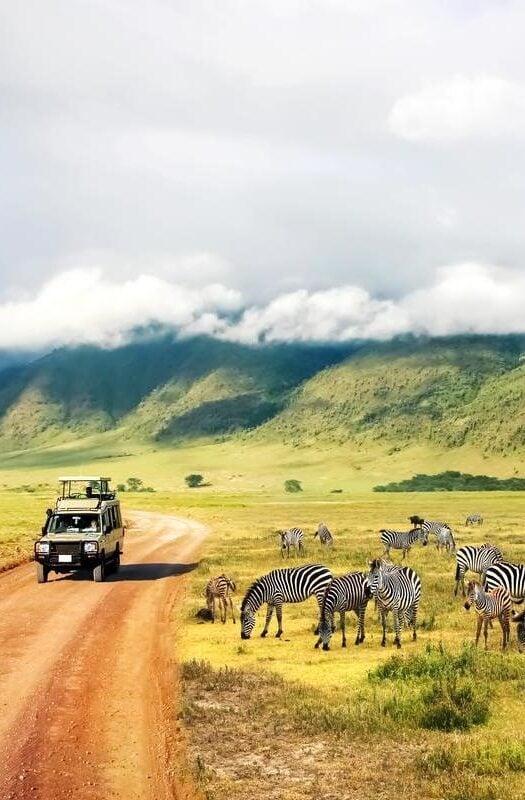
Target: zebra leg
[(231, 609), (478, 629), (383, 623), (360, 626), (397, 628), (269, 612), (213, 609), (343, 628), (414, 621), (279, 614), (223, 608), (486, 633)]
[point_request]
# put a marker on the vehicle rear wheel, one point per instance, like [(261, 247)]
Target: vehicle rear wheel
[(99, 572), (116, 562), (42, 573)]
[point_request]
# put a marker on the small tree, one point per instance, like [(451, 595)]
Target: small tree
[(194, 480), (121, 487), (134, 484), (293, 486)]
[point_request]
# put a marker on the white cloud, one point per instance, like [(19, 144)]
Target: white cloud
[(81, 306), (462, 108)]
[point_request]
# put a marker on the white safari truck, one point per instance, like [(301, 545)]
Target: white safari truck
[(84, 530)]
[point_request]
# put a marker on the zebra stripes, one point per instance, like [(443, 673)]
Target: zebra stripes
[(325, 537), (474, 519), (494, 604), (401, 540), (435, 527), (293, 537), (219, 588), (477, 559), (511, 576), (288, 585), (398, 591), (348, 593), (519, 619)]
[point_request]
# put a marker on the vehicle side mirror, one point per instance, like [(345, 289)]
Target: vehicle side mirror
[(43, 530), (107, 529)]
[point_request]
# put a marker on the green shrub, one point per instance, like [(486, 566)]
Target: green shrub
[(194, 480), (453, 704), (292, 486)]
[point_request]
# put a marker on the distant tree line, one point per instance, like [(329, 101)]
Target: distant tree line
[(452, 481), (134, 485)]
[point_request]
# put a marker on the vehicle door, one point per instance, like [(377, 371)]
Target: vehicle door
[(119, 530), (109, 532)]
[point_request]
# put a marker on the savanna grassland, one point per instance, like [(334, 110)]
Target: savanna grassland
[(277, 718)]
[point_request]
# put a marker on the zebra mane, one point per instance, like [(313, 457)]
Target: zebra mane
[(249, 592)]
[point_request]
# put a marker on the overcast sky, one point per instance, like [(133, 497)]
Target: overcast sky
[(317, 167)]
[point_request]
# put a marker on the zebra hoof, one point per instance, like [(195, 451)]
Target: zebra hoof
[(326, 647), (397, 643), (316, 645), (278, 634), (263, 634), (383, 643), (343, 644)]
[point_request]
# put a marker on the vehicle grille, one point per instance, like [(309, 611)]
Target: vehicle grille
[(73, 549)]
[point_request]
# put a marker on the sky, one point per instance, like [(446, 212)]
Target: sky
[(303, 170)]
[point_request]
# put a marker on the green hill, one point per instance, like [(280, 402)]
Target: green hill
[(448, 392)]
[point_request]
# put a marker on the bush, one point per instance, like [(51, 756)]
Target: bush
[(452, 704), (293, 486), (453, 481), (194, 480)]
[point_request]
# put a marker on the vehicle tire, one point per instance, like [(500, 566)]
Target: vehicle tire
[(116, 562), (41, 573), (99, 572)]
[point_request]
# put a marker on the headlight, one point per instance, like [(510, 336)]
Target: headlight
[(42, 548), (90, 547)]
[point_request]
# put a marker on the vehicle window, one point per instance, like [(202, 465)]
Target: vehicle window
[(107, 520), (74, 523), (118, 517)]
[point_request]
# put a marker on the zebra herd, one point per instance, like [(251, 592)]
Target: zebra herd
[(395, 588)]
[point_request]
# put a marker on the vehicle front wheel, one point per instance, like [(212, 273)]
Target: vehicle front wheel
[(99, 573), (42, 573)]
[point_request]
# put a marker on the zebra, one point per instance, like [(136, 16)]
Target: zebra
[(219, 588), (519, 619), (287, 585), (445, 538), (398, 591), (399, 540), (293, 537), (350, 592), (474, 519), (325, 537), (494, 604), (435, 527), (511, 576), (476, 558)]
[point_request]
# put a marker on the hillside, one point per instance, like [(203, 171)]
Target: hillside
[(446, 392)]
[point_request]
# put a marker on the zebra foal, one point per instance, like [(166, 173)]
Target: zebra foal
[(219, 588), (293, 537), (287, 585), (348, 593), (494, 604), (325, 537), (398, 591), (401, 540), (477, 559), (445, 539)]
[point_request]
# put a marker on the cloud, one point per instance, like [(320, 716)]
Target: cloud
[(81, 306), (462, 108)]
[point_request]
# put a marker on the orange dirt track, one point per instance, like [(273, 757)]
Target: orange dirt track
[(87, 673)]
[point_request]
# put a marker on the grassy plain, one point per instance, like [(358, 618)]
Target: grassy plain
[(296, 722)]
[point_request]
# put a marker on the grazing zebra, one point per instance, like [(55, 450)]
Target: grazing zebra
[(474, 519), (445, 539), (494, 604), (434, 526), (519, 619), (293, 537), (288, 585), (219, 588), (398, 591), (401, 540), (477, 559), (325, 537), (511, 576), (348, 593)]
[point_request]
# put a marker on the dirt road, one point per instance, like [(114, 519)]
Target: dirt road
[(87, 676)]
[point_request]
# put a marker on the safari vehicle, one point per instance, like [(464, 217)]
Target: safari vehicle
[(84, 531)]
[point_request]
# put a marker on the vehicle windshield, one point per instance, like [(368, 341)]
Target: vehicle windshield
[(74, 523)]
